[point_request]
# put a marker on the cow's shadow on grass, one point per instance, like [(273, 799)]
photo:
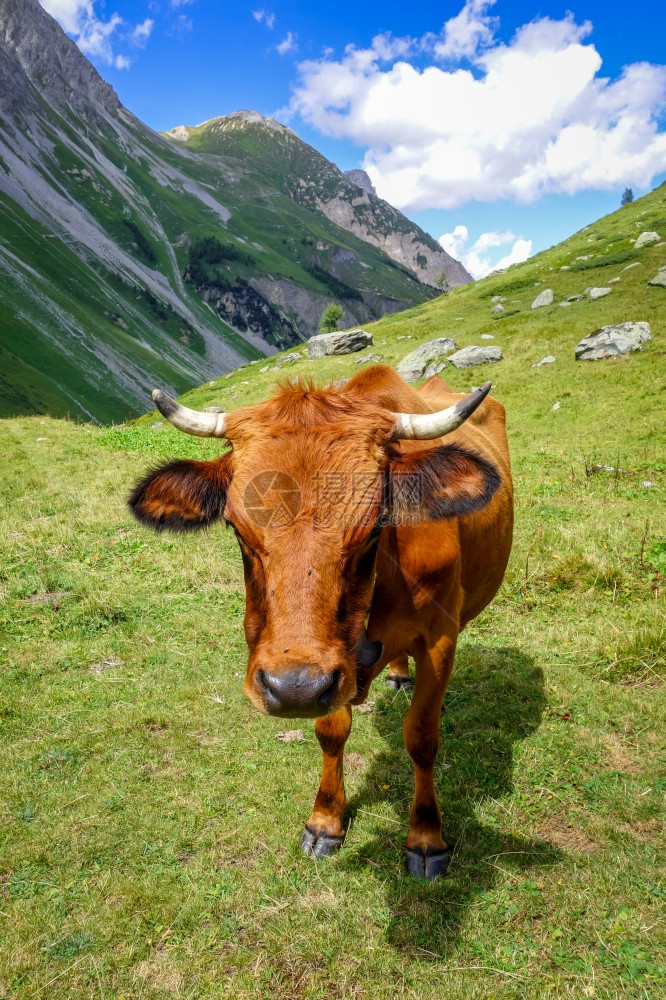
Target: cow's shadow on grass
[(495, 700)]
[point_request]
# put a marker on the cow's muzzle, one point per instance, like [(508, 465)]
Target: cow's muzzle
[(298, 692)]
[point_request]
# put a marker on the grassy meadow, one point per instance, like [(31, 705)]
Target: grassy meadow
[(150, 818)]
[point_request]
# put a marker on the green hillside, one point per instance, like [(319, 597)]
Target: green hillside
[(150, 818)]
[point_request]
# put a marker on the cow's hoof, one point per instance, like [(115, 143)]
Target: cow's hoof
[(319, 845), (428, 864), (397, 683)]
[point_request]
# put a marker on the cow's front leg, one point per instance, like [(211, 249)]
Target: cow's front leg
[(324, 831), (426, 854), (398, 677)]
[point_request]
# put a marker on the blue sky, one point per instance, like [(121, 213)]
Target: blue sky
[(501, 127)]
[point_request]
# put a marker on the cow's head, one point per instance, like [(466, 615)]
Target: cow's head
[(312, 477)]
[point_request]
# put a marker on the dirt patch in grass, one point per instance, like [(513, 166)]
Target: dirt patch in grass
[(560, 830), (354, 763), (617, 756), (158, 974), (647, 831)]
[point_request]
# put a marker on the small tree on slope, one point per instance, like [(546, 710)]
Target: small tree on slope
[(330, 318)]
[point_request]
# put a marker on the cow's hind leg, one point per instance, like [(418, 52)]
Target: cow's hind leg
[(426, 854), (324, 831), (398, 677)]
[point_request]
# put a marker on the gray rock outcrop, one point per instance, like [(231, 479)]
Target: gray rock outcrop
[(659, 278), (362, 180), (599, 293), (645, 239), (622, 338), (470, 356), (345, 342), (544, 298), (415, 364)]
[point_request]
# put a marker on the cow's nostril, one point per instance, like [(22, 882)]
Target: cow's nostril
[(329, 692)]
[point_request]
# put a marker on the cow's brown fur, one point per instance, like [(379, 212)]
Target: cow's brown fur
[(311, 584)]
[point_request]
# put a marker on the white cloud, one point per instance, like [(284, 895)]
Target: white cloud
[(142, 31), (288, 44), (181, 3), (529, 117), (93, 35), (265, 16), (476, 259), (466, 33)]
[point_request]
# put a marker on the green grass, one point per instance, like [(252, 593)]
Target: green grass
[(150, 818)]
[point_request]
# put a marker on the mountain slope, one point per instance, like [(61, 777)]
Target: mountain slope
[(602, 254), (348, 199), (100, 221)]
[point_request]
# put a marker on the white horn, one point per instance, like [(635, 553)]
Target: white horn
[(425, 426), (190, 421)]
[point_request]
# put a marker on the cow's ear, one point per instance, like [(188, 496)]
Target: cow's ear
[(182, 495), (440, 483)]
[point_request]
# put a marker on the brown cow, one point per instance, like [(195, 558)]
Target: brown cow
[(361, 544)]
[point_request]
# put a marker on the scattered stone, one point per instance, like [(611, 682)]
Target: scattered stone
[(43, 439), (645, 239), (487, 336), (544, 298), (159, 423), (290, 736), (565, 267), (647, 483), (413, 365), (498, 298), (659, 278), (636, 263), (470, 356), (374, 358), (586, 256), (434, 369), (288, 359), (338, 343), (598, 293), (612, 340), (614, 281), (213, 409), (565, 304), (458, 318), (555, 407), (265, 368), (228, 375), (548, 360), (499, 308)]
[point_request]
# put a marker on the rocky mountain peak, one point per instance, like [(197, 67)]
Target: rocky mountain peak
[(51, 61), (361, 179)]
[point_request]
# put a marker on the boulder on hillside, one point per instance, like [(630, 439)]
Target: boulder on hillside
[(413, 366), (611, 340), (659, 278), (645, 239), (544, 298), (469, 356), (345, 342), (598, 293)]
